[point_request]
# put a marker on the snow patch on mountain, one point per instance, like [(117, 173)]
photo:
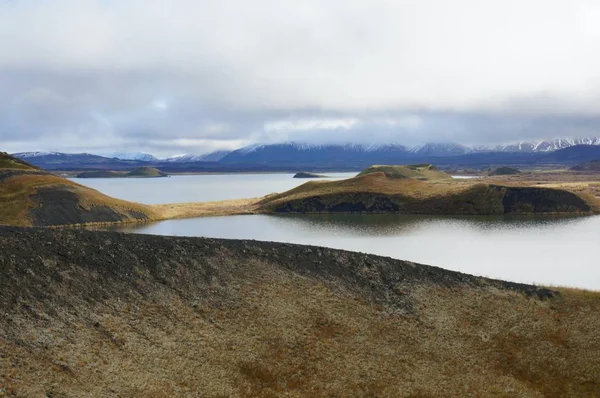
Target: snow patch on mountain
[(141, 156), (440, 149), (29, 155)]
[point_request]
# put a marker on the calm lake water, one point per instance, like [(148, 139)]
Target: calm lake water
[(197, 188), (543, 250)]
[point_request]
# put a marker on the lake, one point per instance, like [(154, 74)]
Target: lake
[(545, 250), (197, 188)]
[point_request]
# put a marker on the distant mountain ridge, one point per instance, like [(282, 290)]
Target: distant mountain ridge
[(539, 146), (142, 156), (296, 156)]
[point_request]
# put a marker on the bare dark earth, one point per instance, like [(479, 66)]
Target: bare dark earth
[(120, 260), (478, 200), (60, 206), (85, 313)]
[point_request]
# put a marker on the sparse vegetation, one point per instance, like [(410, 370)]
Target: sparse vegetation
[(133, 315), (140, 172), (375, 192), (8, 162), (32, 197), (592, 166), (504, 171), (146, 172), (421, 172), (308, 175), (101, 174)]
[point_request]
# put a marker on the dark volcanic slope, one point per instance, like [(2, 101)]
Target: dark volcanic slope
[(107, 314), (32, 197)]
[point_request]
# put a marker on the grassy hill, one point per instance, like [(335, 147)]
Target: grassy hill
[(303, 174), (107, 314), (32, 197), (504, 171), (378, 193), (8, 162), (146, 172), (422, 172), (140, 172), (101, 174), (592, 166)]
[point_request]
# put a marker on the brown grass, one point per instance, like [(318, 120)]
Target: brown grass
[(204, 209), (228, 323), (16, 197)]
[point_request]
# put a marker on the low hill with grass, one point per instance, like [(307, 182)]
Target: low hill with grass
[(378, 193), (303, 174), (32, 197), (423, 172), (106, 314), (101, 174), (504, 171), (8, 162), (592, 166), (146, 172), (140, 172)]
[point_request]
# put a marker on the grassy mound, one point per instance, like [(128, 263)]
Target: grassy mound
[(101, 174), (308, 175), (504, 171), (422, 172), (140, 172), (376, 193), (593, 166), (32, 197), (8, 162), (146, 172), (106, 314)]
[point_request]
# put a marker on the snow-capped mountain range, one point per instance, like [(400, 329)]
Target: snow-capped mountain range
[(539, 146), (207, 157), (141, 156), (295, 154)]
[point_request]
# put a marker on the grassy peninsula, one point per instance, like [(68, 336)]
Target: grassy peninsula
[(380, 191)]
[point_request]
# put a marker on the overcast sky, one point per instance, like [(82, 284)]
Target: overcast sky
[(190, 76)]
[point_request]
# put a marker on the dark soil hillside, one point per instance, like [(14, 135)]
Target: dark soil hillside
[(32, 197), (376, 193), (592, 166), (108, 314), (505, 171)]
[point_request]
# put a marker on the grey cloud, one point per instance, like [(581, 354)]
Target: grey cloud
[(195, 75)]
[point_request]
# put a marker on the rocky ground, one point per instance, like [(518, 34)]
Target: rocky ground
[(107, 314)]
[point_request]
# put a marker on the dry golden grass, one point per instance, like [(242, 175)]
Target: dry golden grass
[(205, 209), (16, 194), (440, 190), (421, 172), (8, 162), (375, 183), (230, 322)]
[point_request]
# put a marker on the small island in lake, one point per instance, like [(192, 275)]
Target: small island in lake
[(140, 172), (308, 175)]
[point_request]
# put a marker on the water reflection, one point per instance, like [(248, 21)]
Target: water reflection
[(547, 250)]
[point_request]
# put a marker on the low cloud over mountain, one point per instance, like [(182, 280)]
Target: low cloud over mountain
[(192, 77)]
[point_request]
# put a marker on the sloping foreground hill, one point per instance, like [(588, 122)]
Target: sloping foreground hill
[(30, 196), (106, 314), (377, 193), (9, 162)]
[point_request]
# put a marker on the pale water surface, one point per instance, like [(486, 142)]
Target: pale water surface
[(198, 188), (544, 250)]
